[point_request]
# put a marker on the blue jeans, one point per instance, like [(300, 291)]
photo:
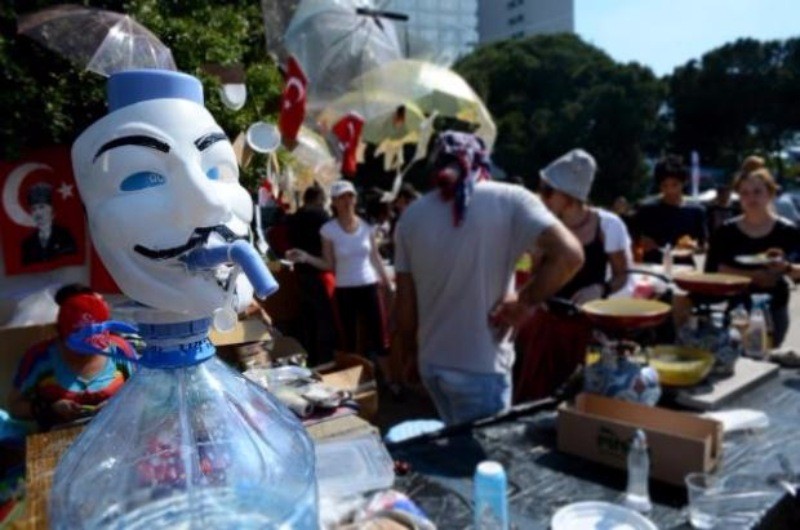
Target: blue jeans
[(461, 396)]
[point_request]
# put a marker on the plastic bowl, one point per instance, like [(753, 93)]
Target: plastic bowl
[(681, 365)]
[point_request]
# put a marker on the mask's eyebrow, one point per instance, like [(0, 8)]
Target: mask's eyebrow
[(207, 140), (139, 140)]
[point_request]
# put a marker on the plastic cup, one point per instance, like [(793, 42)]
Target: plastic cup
[(225, 319), (703, 490)]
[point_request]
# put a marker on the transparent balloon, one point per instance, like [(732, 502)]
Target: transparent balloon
[(432, 88), (100, 41), (335, 43), (313, 161), (386, 115)]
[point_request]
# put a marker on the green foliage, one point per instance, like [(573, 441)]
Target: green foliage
[(551, 93), (547, 94), (739, 98), (46, 100)]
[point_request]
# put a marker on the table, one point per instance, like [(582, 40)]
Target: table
[(44, 450), (541, 479)]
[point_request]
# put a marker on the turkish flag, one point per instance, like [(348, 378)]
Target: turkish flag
[(348, 131), (42, 225), (293, 101)]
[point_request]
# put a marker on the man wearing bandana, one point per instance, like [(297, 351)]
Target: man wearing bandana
[(456, 248)]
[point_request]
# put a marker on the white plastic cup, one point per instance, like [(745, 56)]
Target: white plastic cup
[(704, 491)]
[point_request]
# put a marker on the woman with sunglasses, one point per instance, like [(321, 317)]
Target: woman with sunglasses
[(554, 340)]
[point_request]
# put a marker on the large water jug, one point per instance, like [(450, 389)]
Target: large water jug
[(187, 443), (191, 447)]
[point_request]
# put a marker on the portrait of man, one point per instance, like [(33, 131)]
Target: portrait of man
[(48, 240)]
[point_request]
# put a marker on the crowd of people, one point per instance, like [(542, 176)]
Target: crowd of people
[(451, 313), (454, 251)]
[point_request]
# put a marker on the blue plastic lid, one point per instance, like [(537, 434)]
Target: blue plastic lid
[(133, 86)]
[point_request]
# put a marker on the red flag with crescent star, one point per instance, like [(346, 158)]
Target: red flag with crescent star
[(293, 101), (348, 131), (42, 225)]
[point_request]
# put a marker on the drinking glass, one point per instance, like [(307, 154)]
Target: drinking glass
[(703, 490)]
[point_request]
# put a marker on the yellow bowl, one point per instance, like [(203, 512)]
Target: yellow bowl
[(680, 365)]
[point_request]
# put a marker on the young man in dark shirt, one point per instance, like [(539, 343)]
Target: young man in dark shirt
[(319, 329), (722, 208), (669, 219)]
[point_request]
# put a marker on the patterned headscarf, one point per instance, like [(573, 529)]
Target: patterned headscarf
[(466, 153)]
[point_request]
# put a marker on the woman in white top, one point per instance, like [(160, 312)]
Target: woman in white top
[(349, 249), (554, 343)]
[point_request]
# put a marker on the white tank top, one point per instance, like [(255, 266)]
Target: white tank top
[(351, 251)]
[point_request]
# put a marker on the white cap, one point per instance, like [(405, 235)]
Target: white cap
[(572, 174), (340, 187)]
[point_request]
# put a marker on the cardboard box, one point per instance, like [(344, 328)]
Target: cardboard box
[(250, 330), (355, 374), (245, 346), (600, 429)]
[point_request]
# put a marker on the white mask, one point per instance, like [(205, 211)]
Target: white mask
[(150, 174)]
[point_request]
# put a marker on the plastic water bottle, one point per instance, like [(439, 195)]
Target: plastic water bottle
[(637, 496), (740, 318), (195, 446), (755, 340), (763, 300), (666, 261), (491, 503)]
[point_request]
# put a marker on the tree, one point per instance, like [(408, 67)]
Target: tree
[(551, 93), (739, 98), (46, 100)]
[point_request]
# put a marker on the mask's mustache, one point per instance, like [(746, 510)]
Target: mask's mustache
[(198, 238)]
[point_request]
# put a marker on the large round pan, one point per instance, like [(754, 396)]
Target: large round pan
[(711, 283), (626, 313)]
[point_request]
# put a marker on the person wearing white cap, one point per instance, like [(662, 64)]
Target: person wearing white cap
[(349, 249), (554, 343)]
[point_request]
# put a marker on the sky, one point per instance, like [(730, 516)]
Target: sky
[(664, 34)]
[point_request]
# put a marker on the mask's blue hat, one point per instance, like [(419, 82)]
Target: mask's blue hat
[(133, 86)]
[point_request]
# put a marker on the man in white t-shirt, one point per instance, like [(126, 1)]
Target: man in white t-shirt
[(455, 250)]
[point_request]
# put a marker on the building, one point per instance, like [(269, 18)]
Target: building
[(509, 19), (442, 30)]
